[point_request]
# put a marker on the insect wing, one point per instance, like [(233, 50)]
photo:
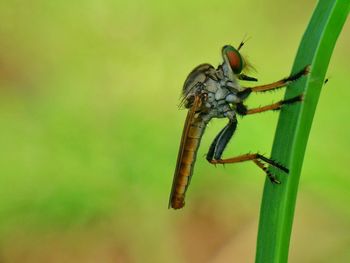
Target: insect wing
[(195, 81), (178, 189)]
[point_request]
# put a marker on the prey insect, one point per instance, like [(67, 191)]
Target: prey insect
[(216, 93)]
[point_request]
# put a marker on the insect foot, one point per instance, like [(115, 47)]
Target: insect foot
[(293, 100), (273, 163), (272, 177)]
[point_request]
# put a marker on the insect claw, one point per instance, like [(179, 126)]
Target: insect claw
[(275, 181), (307, 69), (272, 177)]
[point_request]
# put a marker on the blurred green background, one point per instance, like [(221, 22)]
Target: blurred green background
[(90, 129)]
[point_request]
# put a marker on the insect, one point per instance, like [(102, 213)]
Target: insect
[(216, 93)]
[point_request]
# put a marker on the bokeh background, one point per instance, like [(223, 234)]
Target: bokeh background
[(90, 129)]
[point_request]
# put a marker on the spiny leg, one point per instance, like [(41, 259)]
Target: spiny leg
[(221, 140), (256, 158), (278, 84), (272, 178), (242, 109), (250, 157)]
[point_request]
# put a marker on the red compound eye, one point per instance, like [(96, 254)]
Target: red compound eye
[(234, 58)]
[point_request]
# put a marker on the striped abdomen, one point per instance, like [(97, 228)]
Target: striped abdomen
[(191, 137)]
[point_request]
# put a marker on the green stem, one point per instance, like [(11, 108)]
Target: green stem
[(278, 202)]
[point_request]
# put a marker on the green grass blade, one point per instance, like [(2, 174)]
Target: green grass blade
[(278, 202)]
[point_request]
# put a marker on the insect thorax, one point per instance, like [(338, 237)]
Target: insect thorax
[(221, 95)]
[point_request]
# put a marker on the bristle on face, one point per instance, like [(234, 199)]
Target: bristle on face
[(248, 66)]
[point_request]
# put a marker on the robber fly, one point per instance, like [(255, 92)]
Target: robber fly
[(216, 93)]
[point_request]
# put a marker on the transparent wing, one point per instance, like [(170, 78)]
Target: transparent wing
[(189, 144)]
